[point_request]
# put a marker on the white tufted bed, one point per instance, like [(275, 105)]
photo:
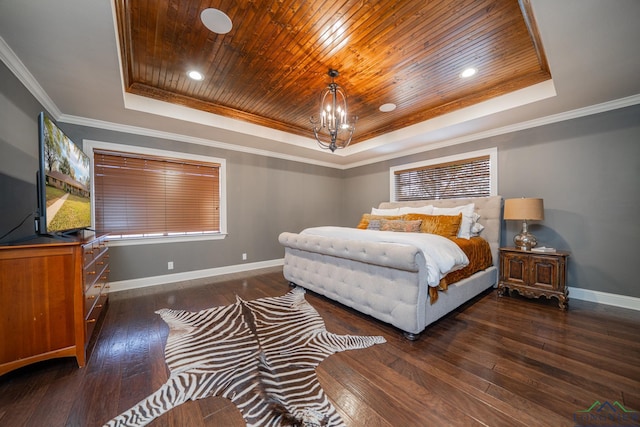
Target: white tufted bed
[(388, 281)]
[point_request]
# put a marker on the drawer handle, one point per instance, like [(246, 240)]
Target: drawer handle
[(100, 262), (91, 297), (97, 286), (98, 305), (89, 252), (91, 321), (91, 272)]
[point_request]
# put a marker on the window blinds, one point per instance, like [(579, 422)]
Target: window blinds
[(146, 195), (464, 178)]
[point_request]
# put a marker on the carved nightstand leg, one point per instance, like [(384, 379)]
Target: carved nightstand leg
[(562, 302), (500, 290)]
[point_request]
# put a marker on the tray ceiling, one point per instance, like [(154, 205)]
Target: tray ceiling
[(270, 68)]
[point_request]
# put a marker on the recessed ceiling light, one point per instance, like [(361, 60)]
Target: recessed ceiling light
[(385, 108), (468, 72), (216, 20), (195, 75)]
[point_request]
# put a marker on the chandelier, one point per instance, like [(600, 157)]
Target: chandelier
[(333, 124)]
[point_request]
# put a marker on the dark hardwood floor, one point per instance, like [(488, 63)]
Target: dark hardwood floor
[(495, 362)]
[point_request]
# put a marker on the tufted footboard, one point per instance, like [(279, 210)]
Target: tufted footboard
[(383, 280)]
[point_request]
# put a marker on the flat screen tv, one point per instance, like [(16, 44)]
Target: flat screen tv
[(64, 182)]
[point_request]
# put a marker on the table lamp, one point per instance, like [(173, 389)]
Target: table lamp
[(524, 209)]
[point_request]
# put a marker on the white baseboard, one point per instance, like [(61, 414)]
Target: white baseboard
[(623, 301), (124, 285)]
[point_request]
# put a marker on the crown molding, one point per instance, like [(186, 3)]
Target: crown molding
[(542, 121), (11, 60), (567, 115), (16, 66), (137, 130)]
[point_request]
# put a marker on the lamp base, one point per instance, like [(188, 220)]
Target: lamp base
[(525, 240)]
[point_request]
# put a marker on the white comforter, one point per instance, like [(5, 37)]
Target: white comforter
[(441, 254)]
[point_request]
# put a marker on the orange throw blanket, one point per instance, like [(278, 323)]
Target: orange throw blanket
[(478, 251)]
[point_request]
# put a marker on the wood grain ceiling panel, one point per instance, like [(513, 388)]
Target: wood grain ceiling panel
[(270, 68)]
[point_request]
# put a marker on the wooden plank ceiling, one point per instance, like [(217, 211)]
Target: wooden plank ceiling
[(271, 67)]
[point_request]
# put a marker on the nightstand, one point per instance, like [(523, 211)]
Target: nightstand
[(534, 274)]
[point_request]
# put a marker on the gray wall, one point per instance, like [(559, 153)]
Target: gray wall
[(586, 170), (18, 155), (265, 196)]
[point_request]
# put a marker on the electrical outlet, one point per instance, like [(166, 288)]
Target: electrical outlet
[(170, 265), (244, 257)]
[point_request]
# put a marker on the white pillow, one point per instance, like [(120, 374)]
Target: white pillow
[(385, 212), (467, 217), (476, 228), (424, 210)]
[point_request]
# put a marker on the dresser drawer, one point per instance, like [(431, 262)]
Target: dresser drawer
[(93, 250), (93, 290), (94, 315), (91, 296), (97, 271)]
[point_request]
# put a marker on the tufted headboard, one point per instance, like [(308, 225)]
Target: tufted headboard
[(489, 209)]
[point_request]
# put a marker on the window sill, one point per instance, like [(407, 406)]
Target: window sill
[(134, 241)]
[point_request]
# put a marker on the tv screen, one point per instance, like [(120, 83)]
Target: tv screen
[(64, 182)]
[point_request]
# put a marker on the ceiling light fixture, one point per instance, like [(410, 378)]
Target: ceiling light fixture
[(216, 20), (468, 72), (195, 75), (333, 119), (386, 108)]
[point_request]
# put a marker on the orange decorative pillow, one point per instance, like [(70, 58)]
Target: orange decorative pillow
[(442, 225), (364, 221), (400, 225)]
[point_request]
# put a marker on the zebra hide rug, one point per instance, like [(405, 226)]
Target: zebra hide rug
[(260, 354)]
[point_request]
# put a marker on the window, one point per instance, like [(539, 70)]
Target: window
[(467, 175), (143, 193)]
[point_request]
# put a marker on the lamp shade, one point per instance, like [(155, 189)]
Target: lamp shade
[(524, 209)]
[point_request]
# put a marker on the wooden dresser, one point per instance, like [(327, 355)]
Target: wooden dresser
[(52, 294)]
